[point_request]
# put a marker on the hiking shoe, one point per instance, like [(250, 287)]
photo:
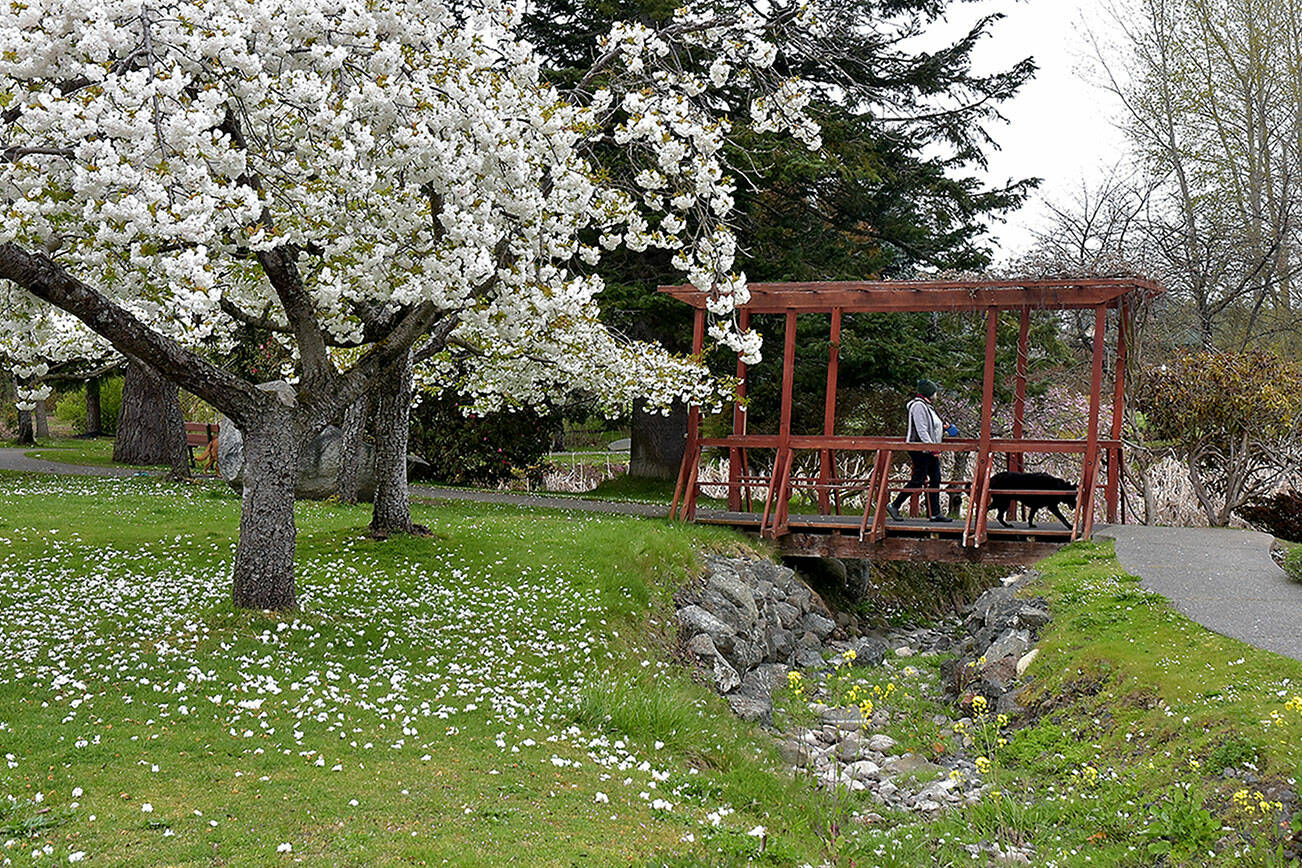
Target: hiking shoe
[(893, 511), (940, 518)]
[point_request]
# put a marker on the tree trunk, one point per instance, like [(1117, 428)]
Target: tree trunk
[(392, 422), (26, 434), (150, 427), (42, 421), (350, 449), (264, 556), (657, 443), (94, 424)]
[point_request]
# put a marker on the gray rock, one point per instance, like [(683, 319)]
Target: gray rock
[(781, 645), (318, 464), (816, 623), (881, 743), (799, 595), (868, 652), (1014, 643), (749, 708), (808, 658), (702, 647), (1032, 617), (765, 571), (723, 609), (694, 619), (736, 592), (847, 749), (795, 753), (722, 675), (744, 655), (911, 765), (1010, 703), (760, 681), (788, 614), (984, 603), (847, 719), (863, 770), (937, 790), (725, 678)]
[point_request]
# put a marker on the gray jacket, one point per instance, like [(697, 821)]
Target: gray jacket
[(924, 424)]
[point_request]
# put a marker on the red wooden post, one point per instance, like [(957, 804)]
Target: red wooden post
[(825, 465), (782, 459), (1118, 412), (735, 461), (1017, 460), (1085, 498)]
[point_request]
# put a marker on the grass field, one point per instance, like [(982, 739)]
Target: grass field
[(490, 695), (505, 692)]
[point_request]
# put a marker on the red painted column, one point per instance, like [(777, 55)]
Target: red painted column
[(1085, 501), (1118, 411), (782, 465), (826, 465), (1017, 460)]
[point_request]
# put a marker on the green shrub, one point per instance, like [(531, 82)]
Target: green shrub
[(1278, 515), (477, 449), (71, 407), (1293, 564)]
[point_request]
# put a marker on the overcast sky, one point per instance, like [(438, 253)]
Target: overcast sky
[(1061, 126)]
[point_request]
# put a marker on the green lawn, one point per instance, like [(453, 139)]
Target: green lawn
[(494, 693), (504, 693)]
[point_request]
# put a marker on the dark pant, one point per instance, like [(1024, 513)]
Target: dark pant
[(926, 473)]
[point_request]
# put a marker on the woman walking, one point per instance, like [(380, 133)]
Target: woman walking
[(924, 427)]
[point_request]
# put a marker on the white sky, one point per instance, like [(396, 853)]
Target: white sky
[(1061, 126)]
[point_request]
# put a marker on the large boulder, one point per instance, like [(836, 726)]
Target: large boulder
[(318, 465)]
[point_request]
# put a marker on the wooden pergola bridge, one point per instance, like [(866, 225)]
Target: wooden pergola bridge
[(760, 502)]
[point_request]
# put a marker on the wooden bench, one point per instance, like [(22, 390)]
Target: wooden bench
[(203, 436)]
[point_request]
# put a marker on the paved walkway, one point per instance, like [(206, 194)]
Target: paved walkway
[(542, 501), (15, 459), (1224, 579)]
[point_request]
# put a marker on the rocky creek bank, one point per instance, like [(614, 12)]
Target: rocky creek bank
[(748, 624)]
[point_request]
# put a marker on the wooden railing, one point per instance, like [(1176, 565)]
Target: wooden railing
[(827, 491)]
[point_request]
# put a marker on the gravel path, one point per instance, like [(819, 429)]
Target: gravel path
[(1224, 579)]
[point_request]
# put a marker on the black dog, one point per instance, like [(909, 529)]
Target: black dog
[(1055, 490)]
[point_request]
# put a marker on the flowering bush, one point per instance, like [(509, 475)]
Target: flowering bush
[(1233, 418)]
